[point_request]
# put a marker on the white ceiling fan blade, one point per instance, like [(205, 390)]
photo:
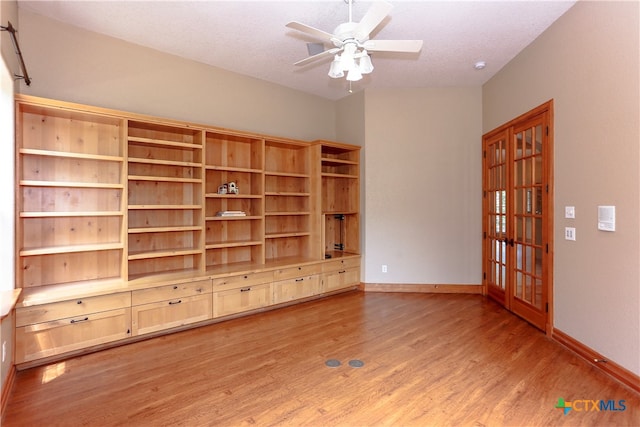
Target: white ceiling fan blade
[(374, 16), (304, 28), (409, 46), (317, 56)]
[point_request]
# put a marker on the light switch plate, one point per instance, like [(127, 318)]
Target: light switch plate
[(569, 211)]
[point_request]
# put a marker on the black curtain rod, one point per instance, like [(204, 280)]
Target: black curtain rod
[(12, 31)]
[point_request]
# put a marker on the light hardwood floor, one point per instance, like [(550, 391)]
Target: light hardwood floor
[(430, 359)]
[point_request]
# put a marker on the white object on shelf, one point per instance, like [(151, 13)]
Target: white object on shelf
[(231, 213)]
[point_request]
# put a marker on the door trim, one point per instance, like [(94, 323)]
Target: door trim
[(545, 108)]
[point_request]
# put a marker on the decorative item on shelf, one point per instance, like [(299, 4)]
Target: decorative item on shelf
[(231, 213), (228, 188)]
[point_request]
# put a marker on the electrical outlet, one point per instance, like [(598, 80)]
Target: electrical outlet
[(384, 268), (569, 233)]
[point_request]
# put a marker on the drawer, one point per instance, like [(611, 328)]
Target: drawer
[(163, 293), (341, 279), (340, 264), (241, 281), (293, 272), (241, 299), (292, 289), (163, 315), (77, 307), (65, 335)]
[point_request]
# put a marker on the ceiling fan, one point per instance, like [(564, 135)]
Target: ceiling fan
[(352, 44)]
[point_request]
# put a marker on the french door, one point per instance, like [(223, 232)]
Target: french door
[(517, 215)]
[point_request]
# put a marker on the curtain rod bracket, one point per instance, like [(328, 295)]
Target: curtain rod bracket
[(16, 47)]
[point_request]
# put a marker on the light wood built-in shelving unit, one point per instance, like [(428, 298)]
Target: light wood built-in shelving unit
[(340, 171), (165, 198), (234, 240), (123, 229)]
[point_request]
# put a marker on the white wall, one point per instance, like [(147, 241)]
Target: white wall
[(588, 62), (424, 182), (72, 64)]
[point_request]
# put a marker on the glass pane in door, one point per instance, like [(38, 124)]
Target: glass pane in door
[(496, 194), (527, 209)]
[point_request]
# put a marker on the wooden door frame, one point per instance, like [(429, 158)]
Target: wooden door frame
[(548, 226)]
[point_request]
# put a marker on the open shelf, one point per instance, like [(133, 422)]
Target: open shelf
[(162, 179), (30, 183), (233, 244), (340, 174), (70, 191), (69, 214), (69, 249), (165, 198), (238, 159), (69, 155), (164, 229), (162, 143), (162, 253)]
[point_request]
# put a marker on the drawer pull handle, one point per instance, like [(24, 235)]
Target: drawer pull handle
[(175, 287), (300, 279), (343, 271), (245, 289), (79, 301), (175, 302), (79, 320), (246, 277)]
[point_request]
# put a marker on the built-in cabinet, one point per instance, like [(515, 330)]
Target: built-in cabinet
[(70, 196), (158, 308), (132, 226), (164, 197), (234, 219), (340, 172)]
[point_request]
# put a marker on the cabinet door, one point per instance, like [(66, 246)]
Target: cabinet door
[(162, 315), (65, 335), (341, 279), (242, 299), (292, 289)]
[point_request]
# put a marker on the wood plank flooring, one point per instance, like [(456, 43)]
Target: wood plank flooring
[(429, 359)]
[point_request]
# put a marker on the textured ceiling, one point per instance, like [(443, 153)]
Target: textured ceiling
[(250, 38)]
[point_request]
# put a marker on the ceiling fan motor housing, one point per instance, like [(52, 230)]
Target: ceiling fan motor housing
[(345, 32)]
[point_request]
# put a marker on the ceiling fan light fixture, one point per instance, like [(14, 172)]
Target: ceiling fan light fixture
[(347, 62), (335, 70), (366, 66), (351, 40), (354, 74), (347, 59)]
